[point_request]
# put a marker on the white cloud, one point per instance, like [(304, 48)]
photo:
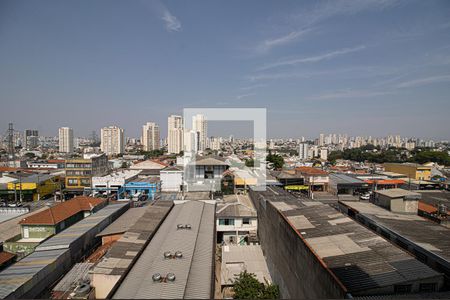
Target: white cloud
[(172, 23), (313, 59), (423, 81), (268, 44)]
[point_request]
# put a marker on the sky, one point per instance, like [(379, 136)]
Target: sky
[(369, 67)]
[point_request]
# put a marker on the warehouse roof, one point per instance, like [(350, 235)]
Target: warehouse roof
[(358, 258), (429, 235), (124, 222), (62, 211), (345, 179), (397, 193), (193, 271)]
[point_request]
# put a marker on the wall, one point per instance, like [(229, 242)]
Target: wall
[(37, 231), (171, 181), (292, 264)]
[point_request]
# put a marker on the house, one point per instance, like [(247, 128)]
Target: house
[(55, 219), (149, 167), (236, 220), (204, 173)]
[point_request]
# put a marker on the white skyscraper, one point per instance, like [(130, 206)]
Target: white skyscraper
[(150, 136), (321, 139), (112, 140), (200, 125), (303, 151), (65, 140), (174, 134), (191, 141)]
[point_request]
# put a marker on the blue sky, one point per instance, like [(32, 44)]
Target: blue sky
[(357, 67)]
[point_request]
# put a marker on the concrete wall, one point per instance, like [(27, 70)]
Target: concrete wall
[(292, 264)]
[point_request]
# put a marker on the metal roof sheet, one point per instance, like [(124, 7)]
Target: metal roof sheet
[(193, 271)]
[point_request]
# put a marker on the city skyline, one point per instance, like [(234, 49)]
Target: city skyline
[(389, 76)]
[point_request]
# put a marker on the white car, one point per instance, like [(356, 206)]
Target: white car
[(365, 197)]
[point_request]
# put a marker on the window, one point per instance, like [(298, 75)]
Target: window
[(72, 181), (226, 222), (402, 288), (85, 182), (427, 287), (246, 221)]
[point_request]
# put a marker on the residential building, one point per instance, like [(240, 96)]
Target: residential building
[(112, 140), (174, 134), (65, 140), (31, 139), (150, 136), (303, 151), (324, 154), (236, 221), (79, 171), (411, 170), (200, 125), (191, 141), (204, 174)]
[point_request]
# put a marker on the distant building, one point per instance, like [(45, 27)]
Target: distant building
[(174, 134), (200, 125), (65, 140), (303, 151), (112, 140), (411, 170), (150, 136), (31, 139), (191, 141), (316, 179), (324, 154)]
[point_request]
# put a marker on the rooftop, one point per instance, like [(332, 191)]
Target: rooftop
[(358, 258), (397, 193), (193, 271), (148, 165), (344, 179), (62, 211), (235, 206), (237, 258), (124, 222), (429, 235), (311, 171)]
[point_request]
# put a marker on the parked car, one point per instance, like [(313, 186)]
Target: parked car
[(365, 197)]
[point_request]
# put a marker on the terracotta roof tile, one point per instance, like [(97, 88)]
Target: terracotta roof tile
[(60, 212), (310, 171), (5, 257)]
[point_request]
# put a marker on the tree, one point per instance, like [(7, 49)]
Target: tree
[(246, 286), (249, 163), (124, 165), (277, 160)]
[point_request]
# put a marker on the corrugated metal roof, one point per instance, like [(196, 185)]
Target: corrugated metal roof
[(124, 222), (359, 258), (79, 273), (193, 271)]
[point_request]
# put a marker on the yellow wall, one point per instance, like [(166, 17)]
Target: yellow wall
[(45, 188), (242, 181), (414, 172)]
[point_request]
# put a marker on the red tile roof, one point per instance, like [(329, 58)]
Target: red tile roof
[(427, 207), (310, 171), (60, 212), (5, 257)]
